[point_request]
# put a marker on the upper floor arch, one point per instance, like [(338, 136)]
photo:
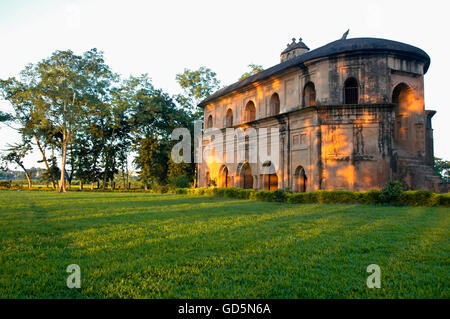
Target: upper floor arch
[(274, 104), (351, 91), (229, 118), (250, 112), (209, 122), (309, 95)]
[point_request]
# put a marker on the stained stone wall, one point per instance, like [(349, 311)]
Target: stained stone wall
[(386, 136)]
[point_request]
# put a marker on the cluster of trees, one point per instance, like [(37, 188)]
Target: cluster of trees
[(76, 109)]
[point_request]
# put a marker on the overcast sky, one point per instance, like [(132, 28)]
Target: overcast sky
[(163, 37)]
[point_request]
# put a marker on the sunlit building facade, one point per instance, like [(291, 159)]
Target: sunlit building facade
[(351, 116)]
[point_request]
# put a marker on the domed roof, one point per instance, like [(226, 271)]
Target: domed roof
[(355, 45), (371, 45)]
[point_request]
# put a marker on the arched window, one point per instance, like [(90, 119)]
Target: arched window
[(309, 95), (274, 104), (403, 98), (229, 118), (250, 112), (209, 123), (351, 91), (300, 180)]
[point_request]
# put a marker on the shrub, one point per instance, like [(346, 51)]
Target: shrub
[(246, 193), (298, 198), (161, 189), (391, 193), (371, 197), (179, 182), (443, 199), (278, 196), (4, 184), (181, 191), (417, 198), (337, 197), (262, 196)]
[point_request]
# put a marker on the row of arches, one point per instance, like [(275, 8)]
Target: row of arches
[(309, 99), (245, 179), (350, 96)]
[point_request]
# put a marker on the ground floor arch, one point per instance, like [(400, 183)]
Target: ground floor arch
[(224, 177), (245, 176), (300, 180), (269, 177)]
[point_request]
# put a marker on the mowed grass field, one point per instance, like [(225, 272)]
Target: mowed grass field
[(137, 245)]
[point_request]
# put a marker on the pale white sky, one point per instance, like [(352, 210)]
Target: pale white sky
[(162, 38)]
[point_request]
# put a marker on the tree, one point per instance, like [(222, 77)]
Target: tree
[(61, 84), (15, 155), (254, 68), (26, 100), (197, 85), (442, 168), (152, 116), (71, 86)]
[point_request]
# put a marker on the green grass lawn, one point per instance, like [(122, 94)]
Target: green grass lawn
[(137, 245)]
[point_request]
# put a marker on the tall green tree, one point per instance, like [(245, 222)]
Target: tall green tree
[(72, 85), (197, 85), (152, 115), (27, 101)]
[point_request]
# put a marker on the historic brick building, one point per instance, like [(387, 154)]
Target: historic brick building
[(351, 115)]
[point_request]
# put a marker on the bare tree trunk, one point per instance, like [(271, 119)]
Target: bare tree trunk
[(81, 185), (45, 161), (28, 179), (62, 183), (104, 180), (27, 175)]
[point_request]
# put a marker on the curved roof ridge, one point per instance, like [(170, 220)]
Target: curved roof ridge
[(330, 49)]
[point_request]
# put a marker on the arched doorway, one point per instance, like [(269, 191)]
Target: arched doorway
[(274, 104), (300, 180), (404, 100), (246, 177), (250, 112), (270, 178), (309, 95), (224, 177), (351, 91)]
